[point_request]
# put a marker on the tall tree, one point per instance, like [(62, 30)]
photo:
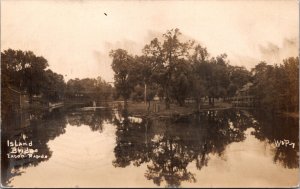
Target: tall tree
[(54, 86), (23, 70), (238, 77), (124, 76), (218, 79), (291, 70), (276, 87), (200, 69), (180, 85), (168, 56)]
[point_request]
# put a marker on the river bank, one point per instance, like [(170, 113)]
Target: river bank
[(157, 109)]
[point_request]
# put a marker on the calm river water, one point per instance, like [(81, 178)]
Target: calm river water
[(107, 148)]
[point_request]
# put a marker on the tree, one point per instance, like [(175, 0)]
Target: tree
[(23, 70), (291, 70), (104, 89), (73, 87), (88, 89), (218, 78), (144, 75), (238, 76), (166, 57), (262, 88), (123, 65), (54, 86), (200, 69), (276, 87), (180, 82)]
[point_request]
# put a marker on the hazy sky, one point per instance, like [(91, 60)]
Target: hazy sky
[(76, 37)]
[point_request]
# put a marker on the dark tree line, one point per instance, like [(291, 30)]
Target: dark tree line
[(176, 70), (88, 89), (23, 70), (277, 87), (27, 73)]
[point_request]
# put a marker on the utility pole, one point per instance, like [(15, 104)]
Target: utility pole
[(145, 93)]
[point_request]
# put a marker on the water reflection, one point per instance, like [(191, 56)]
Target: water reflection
[(169, 152), (38, 127), (93, 118), (270, 128), (168, 146)]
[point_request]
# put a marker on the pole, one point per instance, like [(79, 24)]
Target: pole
[(145, 93)]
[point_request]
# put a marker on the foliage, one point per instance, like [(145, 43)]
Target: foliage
[(27, 73), (171, 55), (88, 89), (54, 86), (123, 66), (176, 70), (277, 87), (23, 71)]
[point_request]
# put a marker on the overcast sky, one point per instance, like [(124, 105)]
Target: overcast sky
[(76, 36)]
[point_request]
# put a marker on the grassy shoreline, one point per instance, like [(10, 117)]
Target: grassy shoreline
[(141, 109)]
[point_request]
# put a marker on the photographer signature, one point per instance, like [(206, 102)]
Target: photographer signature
[(284, 142)]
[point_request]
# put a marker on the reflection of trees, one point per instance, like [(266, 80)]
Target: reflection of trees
[(39, 131), (169, 158), (168, 146), (270, 127), (94, 119), (131, 141)]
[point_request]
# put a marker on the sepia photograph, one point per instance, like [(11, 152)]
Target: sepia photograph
[(149, 94)]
